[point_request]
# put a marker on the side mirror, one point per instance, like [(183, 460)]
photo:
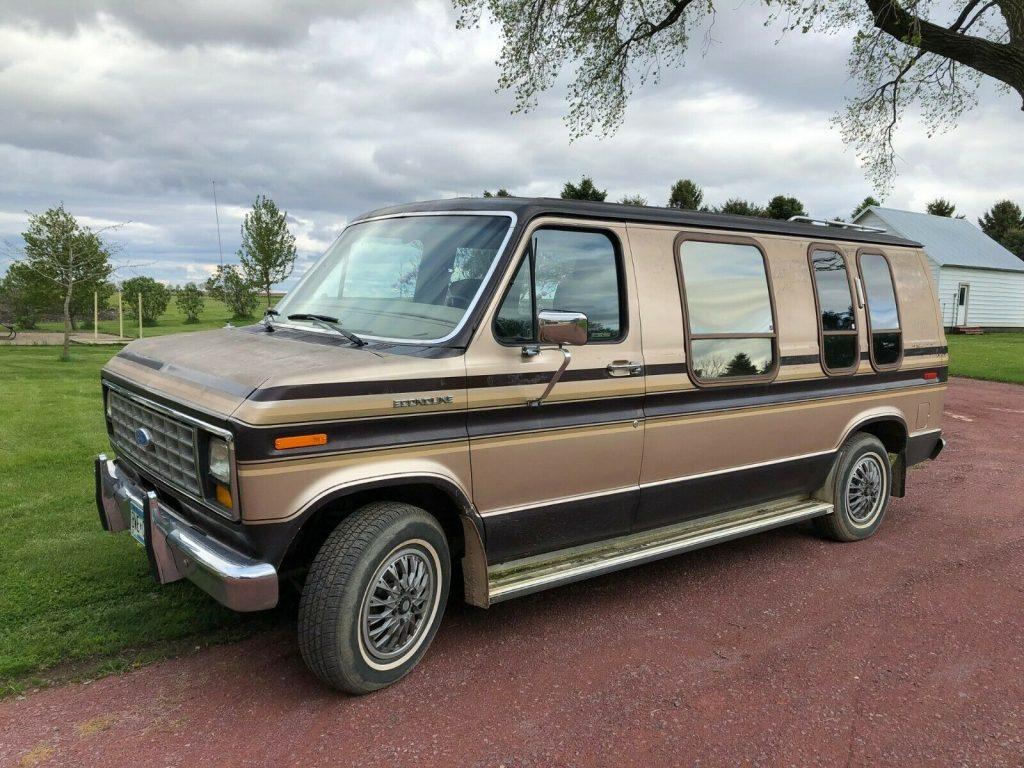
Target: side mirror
[(555, 326)]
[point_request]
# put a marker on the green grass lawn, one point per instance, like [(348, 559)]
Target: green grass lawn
[(72, 596), (992, 356), (214, 315)]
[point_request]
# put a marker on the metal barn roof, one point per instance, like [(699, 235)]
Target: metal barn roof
[(949, 242)]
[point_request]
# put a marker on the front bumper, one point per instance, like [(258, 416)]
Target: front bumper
[(177, 549)]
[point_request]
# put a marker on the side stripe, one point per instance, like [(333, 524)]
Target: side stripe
[(257, 443)]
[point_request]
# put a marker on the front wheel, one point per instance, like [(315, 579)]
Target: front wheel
[(374, 597), (859, 488)]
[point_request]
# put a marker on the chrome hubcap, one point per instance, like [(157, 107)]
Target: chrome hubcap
[(398, 603), (865, 493)]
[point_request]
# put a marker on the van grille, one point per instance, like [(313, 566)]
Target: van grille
[(171, 454)]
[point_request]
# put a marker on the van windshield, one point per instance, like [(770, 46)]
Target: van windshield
[(410, 278)]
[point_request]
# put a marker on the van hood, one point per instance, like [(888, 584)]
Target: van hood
[(218, 371)]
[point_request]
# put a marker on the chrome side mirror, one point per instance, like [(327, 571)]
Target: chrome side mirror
[(563, 329), (555, 326)]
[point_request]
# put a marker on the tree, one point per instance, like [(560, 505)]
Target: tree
[(585, 190), (189, 301), (686, 195), (784, 208), (25, 295), (902, 55), (67, 257), (639, 200), (229, 286), (502, 192), (267, 254), (1014, 242), (1001, 220), (155, 298), (940, 206), (866, 203), (735, 205)]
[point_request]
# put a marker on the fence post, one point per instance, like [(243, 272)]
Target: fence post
[(140, 314), (120, 316), (95, 315)]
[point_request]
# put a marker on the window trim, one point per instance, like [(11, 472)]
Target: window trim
[(688, 337), (867, 310), (528, 254), (833, 248)]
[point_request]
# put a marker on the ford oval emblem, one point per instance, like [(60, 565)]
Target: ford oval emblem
[(143, 438)]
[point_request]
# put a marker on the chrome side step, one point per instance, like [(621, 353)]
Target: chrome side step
[(532, 574)]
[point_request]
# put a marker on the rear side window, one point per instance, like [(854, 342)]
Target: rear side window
[(573, 270), (836, 318), (729, 315), (883, 310)]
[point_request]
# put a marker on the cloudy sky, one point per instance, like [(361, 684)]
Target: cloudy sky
[(127, 110)]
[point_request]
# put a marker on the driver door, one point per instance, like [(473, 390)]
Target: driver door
[(564, 472)]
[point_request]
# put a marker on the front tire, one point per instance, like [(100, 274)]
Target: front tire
[(859, 487), (374, 597)]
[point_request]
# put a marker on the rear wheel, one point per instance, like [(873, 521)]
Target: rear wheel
[(859, 487), (374, 597)]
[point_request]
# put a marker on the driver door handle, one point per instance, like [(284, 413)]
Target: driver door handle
[(625, 368)]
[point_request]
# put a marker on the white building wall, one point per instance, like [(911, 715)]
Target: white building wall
[(996, 298)]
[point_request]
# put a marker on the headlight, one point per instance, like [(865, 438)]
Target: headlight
[(220, 460)]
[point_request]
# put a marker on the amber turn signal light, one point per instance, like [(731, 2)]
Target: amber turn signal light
[(300, 441), (224, 496)]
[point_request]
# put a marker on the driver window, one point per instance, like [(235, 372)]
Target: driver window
[(570, 270)]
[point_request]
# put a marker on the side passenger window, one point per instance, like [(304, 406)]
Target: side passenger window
[(731, 329), (836, 318), (566, 269), (883, 310)]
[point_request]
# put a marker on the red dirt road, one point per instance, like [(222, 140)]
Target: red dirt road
[(782, 649)]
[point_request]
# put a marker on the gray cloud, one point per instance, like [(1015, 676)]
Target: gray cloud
[(127, 116)]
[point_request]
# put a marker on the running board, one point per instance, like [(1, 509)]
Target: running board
[(532, 574)]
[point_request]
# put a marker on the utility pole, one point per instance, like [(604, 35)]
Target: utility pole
[(216, 213)]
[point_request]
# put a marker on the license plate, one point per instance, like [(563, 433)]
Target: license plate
[(138, 522)]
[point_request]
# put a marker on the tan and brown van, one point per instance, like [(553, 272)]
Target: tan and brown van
[(518, 394)]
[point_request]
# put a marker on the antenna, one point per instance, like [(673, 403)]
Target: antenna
[(216, 213)]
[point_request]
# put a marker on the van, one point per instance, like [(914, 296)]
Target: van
[(515, 394)]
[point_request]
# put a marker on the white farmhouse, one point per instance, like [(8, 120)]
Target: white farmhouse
[(980, 283)]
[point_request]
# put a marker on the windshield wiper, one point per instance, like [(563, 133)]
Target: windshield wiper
[(331, 324)]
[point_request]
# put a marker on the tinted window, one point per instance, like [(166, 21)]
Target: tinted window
[(729, 310), (575, 271), (886, 348), (839, 351), (881, 297), (726, 288), (833, 288)]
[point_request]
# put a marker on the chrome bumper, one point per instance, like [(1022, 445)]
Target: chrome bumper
[(179, 550)]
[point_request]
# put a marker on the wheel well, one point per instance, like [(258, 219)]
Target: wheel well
[(891, 432), (325, 519)]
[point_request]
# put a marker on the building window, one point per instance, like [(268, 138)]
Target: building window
[(567, 269), (883, 310), (729, 314), (837, 324)]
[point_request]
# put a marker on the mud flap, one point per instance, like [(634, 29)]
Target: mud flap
[(899, 475)]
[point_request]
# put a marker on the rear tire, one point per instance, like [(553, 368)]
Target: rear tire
[(374, 597), (859, 487)]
